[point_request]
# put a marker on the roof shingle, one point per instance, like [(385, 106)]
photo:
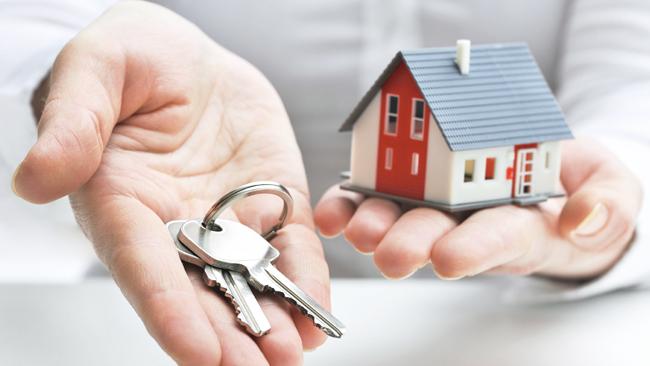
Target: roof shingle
[(504, 100)]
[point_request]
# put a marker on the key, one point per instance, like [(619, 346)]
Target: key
[(235, 247), (232, 284)]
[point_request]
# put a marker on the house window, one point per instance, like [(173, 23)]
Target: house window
[(417, 120), (489, 168), (392, 103), (469, 170), (415, 163), (388, 164)]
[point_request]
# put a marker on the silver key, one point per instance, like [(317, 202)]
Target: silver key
[(236, 247), (232, 284)]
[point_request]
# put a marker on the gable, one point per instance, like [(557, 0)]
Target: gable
[(504, 100)]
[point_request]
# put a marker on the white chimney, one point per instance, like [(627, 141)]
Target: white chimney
[(463, 47)]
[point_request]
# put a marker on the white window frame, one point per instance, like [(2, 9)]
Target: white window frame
[(388, 159), (521, 175), (547, 160), (389, 114), (415, 164), (414, 136), (472, 176)]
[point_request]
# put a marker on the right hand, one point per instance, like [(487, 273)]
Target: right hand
[(148, 120), (579, 237)]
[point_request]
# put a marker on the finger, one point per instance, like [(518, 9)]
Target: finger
[(282, 345), (302, 261), (240, 348), (335, 209), (80, 111), (135, 245), (407, 245), (370, 223), (605, 198), (491, 238)]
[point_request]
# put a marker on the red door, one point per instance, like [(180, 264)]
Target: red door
[(403, 137), (522, 179)]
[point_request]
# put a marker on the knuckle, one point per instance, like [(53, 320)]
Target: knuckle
[(298, 236), (94, 46)]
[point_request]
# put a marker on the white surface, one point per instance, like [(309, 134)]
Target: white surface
[(431, 323)]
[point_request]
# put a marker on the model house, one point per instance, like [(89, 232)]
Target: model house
[(458, 128)]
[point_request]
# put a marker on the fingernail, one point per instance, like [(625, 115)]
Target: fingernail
[(309, 349), (398, 278), (447, 278), (327, 236), (363, 253), (593, 223), (13, 180)]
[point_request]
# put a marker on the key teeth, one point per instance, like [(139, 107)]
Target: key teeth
[(304, 311), (241, 320)]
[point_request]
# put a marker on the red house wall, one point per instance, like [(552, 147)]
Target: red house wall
[(398, 180)]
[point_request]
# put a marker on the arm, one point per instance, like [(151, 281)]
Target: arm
[(604, 89), (147, 120), (32, 34), (576, 239)]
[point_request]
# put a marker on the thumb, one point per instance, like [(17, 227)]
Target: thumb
[(80, 111), (604, 197)]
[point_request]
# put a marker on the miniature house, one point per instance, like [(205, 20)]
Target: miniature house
[(458, 128)]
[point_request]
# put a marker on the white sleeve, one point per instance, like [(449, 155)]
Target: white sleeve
[(604, 90), (31, 34)]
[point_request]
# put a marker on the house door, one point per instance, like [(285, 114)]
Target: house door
[(524, 172)]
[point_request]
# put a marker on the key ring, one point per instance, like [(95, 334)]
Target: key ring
[(248, 190)]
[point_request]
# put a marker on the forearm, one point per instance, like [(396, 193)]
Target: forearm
[(605, 83), (604, 75), (604, 86)]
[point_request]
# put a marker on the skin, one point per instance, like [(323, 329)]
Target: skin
[(574, 238), (146, 120)]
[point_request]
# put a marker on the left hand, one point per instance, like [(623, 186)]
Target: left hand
[(577, 237)]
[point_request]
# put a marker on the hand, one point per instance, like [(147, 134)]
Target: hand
[(578, 237), (148, 120)]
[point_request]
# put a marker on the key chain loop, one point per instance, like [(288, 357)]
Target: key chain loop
[(248, 190)]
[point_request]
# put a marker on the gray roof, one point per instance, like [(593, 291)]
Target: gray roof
[(504, 100)]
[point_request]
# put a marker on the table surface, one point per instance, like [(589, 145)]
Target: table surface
[(415, 322)]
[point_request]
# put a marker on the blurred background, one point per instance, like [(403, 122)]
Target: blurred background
[(321, 56)]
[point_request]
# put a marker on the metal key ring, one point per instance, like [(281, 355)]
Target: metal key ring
[(248, 190)]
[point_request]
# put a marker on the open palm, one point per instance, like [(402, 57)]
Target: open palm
[(578, 237), (147, 120)]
